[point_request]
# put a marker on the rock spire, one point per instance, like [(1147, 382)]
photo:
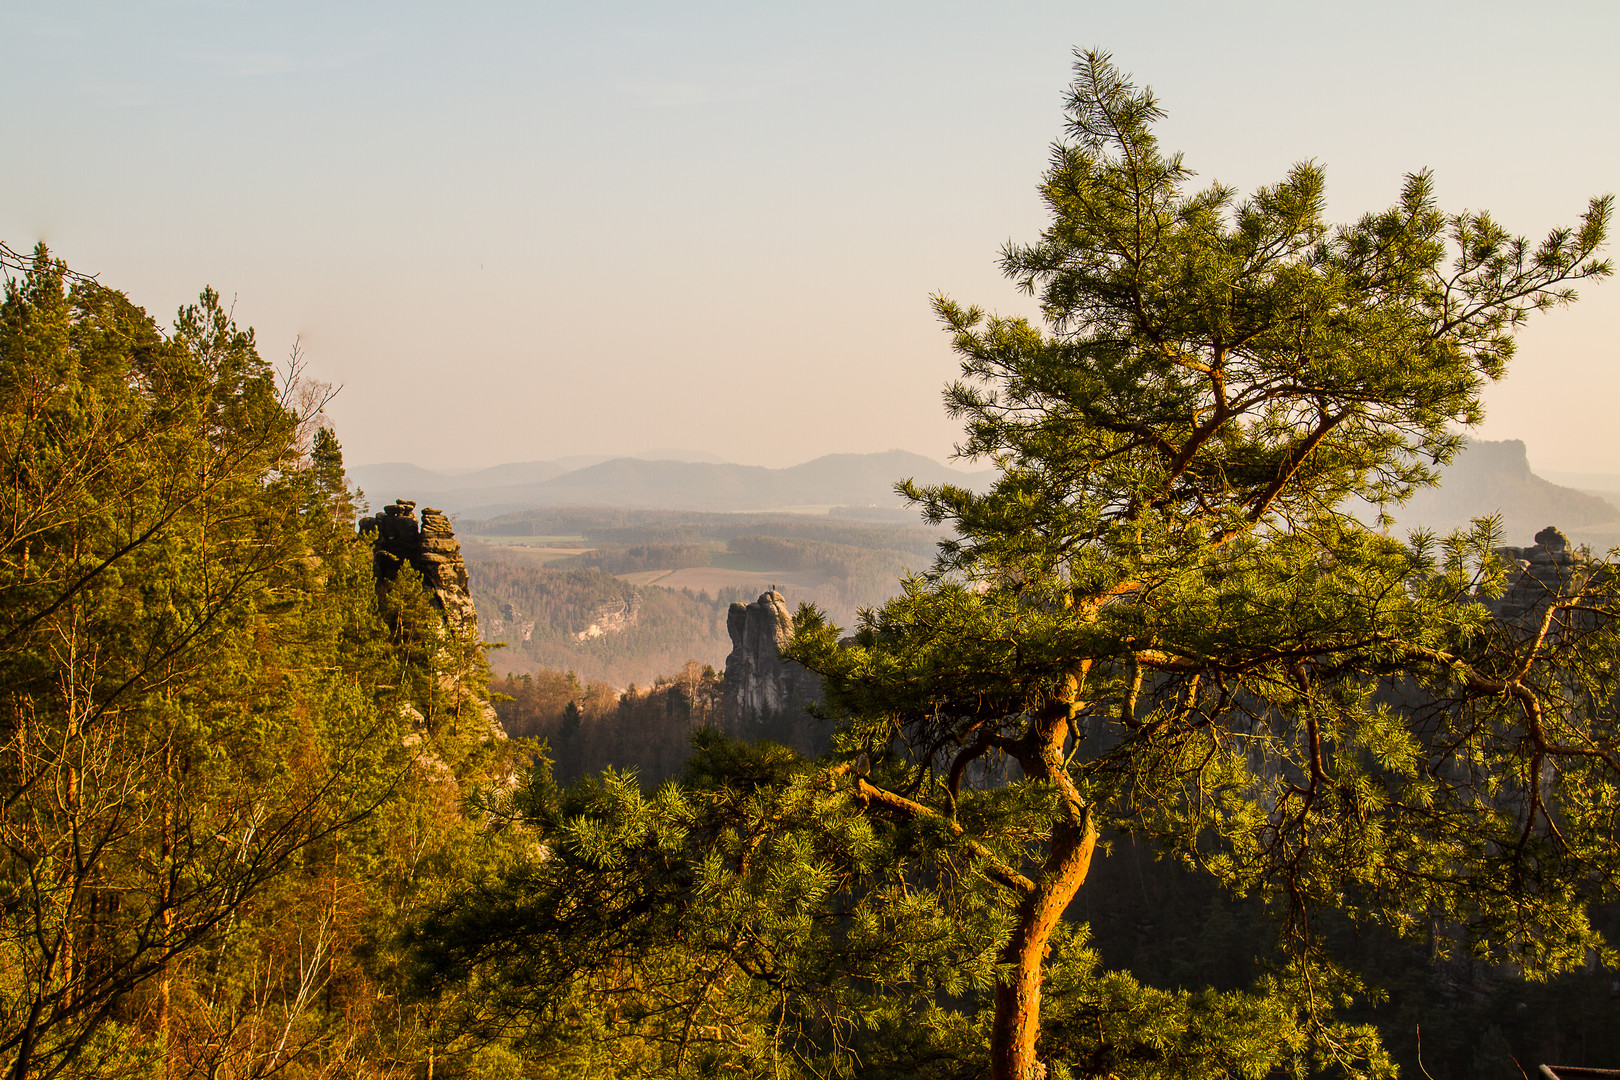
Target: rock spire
[(759, 682), (431, 547), (1545, 570)]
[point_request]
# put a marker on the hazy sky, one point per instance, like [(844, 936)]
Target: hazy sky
[(518, 231)]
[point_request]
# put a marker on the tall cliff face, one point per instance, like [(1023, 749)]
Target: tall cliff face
[(759, 682), (432, 549)]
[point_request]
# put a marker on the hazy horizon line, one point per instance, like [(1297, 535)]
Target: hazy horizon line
[(699, 457)]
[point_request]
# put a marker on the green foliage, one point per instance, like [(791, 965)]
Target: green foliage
[(757, 917), (326, 465), (750, 919), (1161, 616), (214, 799)]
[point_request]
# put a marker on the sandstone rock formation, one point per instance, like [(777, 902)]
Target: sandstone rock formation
[(1545, 570), (510, 624), (432, 549), (613, 617), (759, 683)]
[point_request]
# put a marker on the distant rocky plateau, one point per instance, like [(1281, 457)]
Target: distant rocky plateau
[(1495, 478)]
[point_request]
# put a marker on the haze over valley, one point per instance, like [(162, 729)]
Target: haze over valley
[(622, 569), (853, 484), (368, 710)]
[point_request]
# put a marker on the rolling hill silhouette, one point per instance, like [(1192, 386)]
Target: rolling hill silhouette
[(855, 480)]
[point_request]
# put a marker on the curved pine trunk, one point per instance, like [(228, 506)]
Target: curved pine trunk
[(1017, 1023), (1018, 997)]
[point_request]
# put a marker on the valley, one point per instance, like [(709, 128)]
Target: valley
[(624, 594)]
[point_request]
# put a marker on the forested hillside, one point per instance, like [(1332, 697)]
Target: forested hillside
[(593, 623), (646, 731), (230, 770), (627, 596)]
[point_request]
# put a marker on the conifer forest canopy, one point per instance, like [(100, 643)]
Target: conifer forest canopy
[(258, 818)]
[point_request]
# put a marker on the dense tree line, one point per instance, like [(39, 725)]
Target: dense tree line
[(646, 731), (228, 769), (1451, 1018), (586, 729), (640, 557)]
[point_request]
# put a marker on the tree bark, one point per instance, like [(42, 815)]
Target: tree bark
[(1018, 997), (1017, 1023)]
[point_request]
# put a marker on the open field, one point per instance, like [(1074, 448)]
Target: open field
[(527, 550), (712, 579), (577, 543), (731, 560)]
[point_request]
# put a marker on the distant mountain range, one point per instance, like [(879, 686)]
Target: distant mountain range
[(1486, 478), (646, 482)]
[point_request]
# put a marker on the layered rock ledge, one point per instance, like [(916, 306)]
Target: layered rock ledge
[(432, 549)]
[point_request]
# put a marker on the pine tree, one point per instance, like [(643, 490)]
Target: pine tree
[(1162, 621), (326, 464), (209, 803), (1159, 623)]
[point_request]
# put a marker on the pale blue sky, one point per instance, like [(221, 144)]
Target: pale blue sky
[(518, 231)]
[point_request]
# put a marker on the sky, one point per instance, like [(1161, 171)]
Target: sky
[(518, 231)]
